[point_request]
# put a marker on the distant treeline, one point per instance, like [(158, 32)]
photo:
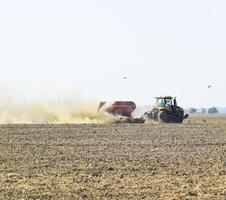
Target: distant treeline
[(211, 110)]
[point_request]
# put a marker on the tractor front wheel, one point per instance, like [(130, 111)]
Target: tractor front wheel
[(163, 117)]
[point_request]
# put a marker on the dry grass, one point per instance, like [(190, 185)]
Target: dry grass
[(120, 161)]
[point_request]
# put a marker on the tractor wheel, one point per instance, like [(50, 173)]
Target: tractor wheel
[(163, 117), (174, 119), (180, 120)]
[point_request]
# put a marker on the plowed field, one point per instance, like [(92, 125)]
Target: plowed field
[(118, 161)]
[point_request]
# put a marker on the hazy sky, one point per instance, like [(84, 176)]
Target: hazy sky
[(86, 47)]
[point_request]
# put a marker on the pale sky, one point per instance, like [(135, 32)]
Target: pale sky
[(86, 47)]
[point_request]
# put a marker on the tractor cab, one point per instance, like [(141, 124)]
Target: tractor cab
[(166, 101)]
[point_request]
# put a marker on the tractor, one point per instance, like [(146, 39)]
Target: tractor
[(166, 110)]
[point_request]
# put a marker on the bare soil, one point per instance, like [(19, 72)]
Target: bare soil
[(118, 161)]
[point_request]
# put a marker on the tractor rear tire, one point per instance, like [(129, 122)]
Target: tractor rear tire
[(175, 119)]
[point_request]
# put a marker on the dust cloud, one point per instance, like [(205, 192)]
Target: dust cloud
[(52, 111)]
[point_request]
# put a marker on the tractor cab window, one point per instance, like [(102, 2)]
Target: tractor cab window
[(164, 102), (160, 102), (168, 102)]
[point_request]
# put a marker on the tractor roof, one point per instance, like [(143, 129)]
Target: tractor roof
[(164, 97)]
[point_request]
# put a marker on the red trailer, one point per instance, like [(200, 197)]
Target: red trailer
[(121, 108)]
